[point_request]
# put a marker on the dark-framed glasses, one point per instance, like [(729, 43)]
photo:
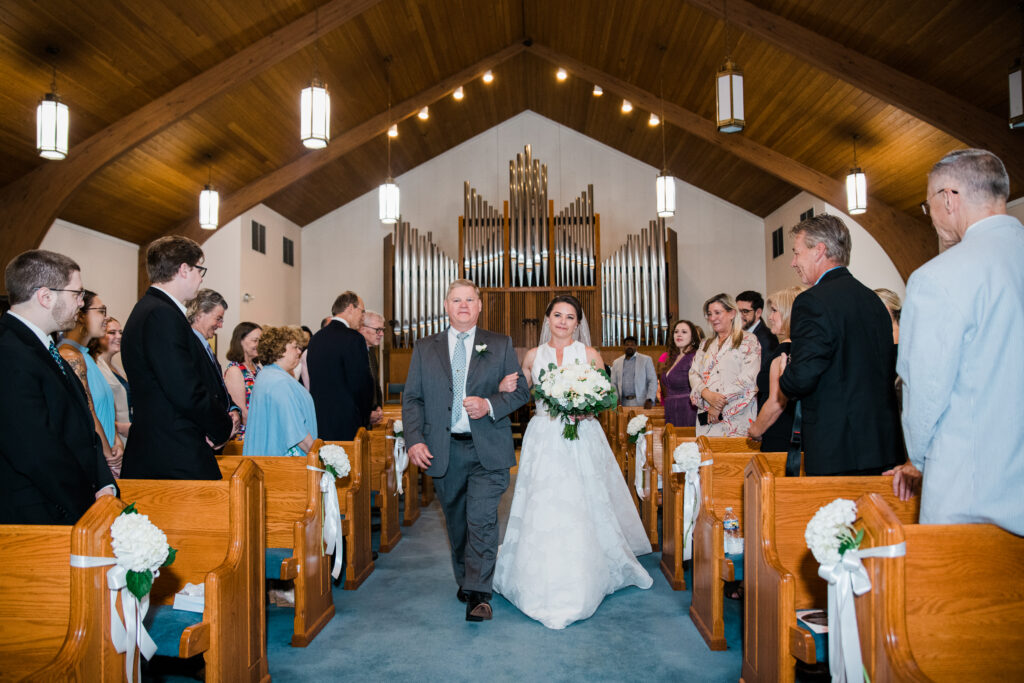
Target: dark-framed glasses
[(101, 309), (79, 293), (925, 209), (202, 270)]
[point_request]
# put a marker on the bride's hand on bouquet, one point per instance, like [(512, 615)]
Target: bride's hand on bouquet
[(420, 455), (509, 383)]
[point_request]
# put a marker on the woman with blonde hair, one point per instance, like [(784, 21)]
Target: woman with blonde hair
[(892, 304), (724, 372), (774, 424)]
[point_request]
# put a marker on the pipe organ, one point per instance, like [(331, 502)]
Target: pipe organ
[(420, 275), (575, 242), (483, 258), (528, 221), (636, 292)]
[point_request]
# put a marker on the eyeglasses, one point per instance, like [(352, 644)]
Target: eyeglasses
[(101, 309), (925, 209), (202, 270), (378, 330), (79, 293)]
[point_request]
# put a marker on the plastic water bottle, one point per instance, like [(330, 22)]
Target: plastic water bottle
[(733, 542)]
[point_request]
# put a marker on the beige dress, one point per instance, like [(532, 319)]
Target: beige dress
[(732, 372), (121, 413)]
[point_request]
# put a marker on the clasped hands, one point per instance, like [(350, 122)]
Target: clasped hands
[(716, 404)]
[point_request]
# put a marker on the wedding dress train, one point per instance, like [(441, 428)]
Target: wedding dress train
[(573, 533)]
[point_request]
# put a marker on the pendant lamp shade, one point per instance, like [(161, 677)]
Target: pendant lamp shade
[(1017, 95), (729, 90), (856, 192), (315, 109), (52, 127), (389, 201), (666, 189), (209, 207)]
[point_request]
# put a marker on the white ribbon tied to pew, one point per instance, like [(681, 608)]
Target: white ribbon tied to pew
[(641, 461), (131, 633), (848, 578), (332, 519), (401, 460), (691, 500)]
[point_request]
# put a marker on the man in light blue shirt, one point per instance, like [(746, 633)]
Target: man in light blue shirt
[(960, 357)]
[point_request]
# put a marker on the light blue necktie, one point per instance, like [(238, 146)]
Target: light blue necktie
[(459, 376)]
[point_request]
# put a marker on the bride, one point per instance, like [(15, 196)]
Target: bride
[(573, 532)]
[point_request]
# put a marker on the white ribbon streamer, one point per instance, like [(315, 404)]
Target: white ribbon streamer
[(691, 501), (332, 519), (848, 578), (401, 460), (641, 460), (131, 633)]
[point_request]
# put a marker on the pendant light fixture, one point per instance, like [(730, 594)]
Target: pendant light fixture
[(729, 87), (856, 186), (389, 195), (315, 103), (209, 201), (52, 121), (665, 185)]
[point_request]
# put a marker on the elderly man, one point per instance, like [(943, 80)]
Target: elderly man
[(180, 412), (205, 314), (339, 372), (51, 462), (633, 377), (372, 330), (963, 316), (841, 366)]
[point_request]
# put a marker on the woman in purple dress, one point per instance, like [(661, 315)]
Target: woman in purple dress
[(675, 381)]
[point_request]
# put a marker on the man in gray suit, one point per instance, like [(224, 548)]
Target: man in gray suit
[(457, 428), (634, 378)]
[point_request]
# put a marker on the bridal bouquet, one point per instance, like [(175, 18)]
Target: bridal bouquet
[(574, 392)]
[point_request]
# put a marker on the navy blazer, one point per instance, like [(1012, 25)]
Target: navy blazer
[(179, 400), (51, 459), (340, 381)]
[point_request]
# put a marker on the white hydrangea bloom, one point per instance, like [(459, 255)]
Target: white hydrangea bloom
[(336, 457), (636, 425), (138, 544), (825, 528), (397, 427), (687, 456)]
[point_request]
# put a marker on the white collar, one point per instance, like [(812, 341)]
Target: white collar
[(181, 306), (44, 338), (454, 334), (342, 321)]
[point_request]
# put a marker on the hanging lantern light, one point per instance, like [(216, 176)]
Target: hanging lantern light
[(1016, 95), (389, 195), (856, 186), (488, 76), (209, 203), (665, 185), (393, 131), (52, 122), (729, 87), (316, 115)]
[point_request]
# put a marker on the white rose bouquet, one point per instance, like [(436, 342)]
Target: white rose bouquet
[(335, 460), (636, 428), (686, 456), (140, 548), (396, 427), (574, 392), (830, 532)]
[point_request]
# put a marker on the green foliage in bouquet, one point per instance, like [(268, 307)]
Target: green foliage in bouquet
[(574, 392)]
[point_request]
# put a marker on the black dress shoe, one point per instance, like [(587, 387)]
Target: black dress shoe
[(462, 595), (478, 608)]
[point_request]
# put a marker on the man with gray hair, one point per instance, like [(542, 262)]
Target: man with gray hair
[(205, 313), (842, 360), (372, 329), (963, 316)]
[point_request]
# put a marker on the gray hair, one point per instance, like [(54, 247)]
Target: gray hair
[(829, 230), (372, 314), (206, 300), (981, 173)]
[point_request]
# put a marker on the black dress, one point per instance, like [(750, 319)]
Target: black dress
[(776, 437)]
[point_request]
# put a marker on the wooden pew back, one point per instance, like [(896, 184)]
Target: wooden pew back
[(952, 609), (383, 481)]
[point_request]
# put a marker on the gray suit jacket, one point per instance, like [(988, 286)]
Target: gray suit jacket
[(646, 379), (427, 399)]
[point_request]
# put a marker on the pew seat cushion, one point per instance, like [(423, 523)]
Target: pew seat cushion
[(737, 565), (166, 624), (274, 558), (818, 628)]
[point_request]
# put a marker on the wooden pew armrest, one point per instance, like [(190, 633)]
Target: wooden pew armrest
[(194, 640), (801, 645), (290, 569), (727, 569)]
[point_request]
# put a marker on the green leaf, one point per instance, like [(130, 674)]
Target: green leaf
[(130, 510), (171, 552), (139, 583)]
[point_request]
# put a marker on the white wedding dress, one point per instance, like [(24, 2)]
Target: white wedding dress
[(573, 532)]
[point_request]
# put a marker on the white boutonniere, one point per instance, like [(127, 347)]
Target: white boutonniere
[(481, 349)]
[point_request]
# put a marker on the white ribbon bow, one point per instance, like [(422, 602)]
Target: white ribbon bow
[(641, 460), (332, 519), (847, 578), (131, 633), (691, 501), (401, 460)]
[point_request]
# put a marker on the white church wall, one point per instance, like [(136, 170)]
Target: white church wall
[(719, 245)]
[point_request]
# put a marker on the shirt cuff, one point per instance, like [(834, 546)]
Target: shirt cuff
[(490, 408)]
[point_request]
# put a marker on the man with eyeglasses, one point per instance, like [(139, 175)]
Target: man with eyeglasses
[(339, 372), (372, 330), (180, 412), (960, 359), (51, 460)]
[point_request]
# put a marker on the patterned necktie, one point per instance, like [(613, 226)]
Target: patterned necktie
[(57, 359), (459, 376)]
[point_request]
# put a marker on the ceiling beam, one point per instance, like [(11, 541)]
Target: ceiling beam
[(908, 242), (31, 203), (959, 119)]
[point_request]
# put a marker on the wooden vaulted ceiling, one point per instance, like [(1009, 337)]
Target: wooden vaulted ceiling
[(156, 86)]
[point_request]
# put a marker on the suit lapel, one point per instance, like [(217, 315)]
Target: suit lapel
[(441, 346), (475, 359)]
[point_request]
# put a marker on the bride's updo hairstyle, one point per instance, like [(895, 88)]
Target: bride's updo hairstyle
[(566, 299)]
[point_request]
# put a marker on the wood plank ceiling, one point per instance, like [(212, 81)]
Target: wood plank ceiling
[(118, 57)]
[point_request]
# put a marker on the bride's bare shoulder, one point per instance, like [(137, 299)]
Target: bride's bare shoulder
[(594, 356), (530, 355)]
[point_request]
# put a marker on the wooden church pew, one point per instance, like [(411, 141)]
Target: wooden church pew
[(55, 619), (218, 530), (952, 609), (721, 486), (622, 420), (410, 496), (232, 447), (780, 573), (655, 426), (384, 486), (294, 536), (354, 500)]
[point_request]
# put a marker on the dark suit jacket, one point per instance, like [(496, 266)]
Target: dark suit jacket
[(51, 460), (767, 340), (378, 394), (340, 381), (178, 397), (841, 369)]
